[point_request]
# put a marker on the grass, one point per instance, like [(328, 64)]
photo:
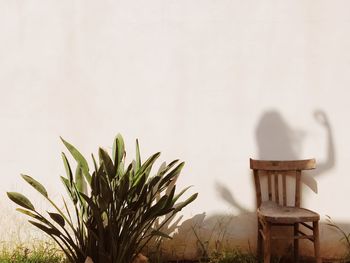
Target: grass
[(39, 253), (236, 256)]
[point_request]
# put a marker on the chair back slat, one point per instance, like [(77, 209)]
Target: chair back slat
[(276, 189), (284, 189), (269, 185), (297, 188), (276, 173), (257, 187)]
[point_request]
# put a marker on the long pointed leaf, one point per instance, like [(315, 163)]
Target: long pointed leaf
[(138, 157), (35, 184), (67, 168), (28, 213), (145, 166), (20, 200), (107, 163), (118, 150), (177, 196), (173, 173), (57, 218), (79, 180), (185, 203), (48, 230), (69, 188), (79, 158)]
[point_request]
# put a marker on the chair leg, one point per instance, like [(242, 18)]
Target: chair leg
[(316, 241), (296, 243), (259, 243), (267, 243)]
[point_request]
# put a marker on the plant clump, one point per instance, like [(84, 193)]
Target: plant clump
[(115, 207)]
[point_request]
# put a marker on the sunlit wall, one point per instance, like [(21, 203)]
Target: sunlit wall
[(210, 82)]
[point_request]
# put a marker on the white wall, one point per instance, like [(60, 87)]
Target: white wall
[(190, 78)]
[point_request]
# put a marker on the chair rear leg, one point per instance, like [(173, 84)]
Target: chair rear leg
[(316, 241), (296, 243)]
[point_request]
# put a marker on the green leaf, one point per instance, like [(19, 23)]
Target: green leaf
[(79, 158), (28, 213), (146, 166), (38, 186), (67, 210), (67, 168), (140, 183), (169, 202), (107, 163), (185, 203), (157, 207), (173, 173), (153, 181), (177, 196), (20, 200), (118, 150), (124, 187), (79, 180), (95, 187), (95, 163), (105, 189), (69, 189), (138, 157), (57, 218), (163, 170), (48, 230)]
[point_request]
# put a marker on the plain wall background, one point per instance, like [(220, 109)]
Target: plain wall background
[(189, 78)]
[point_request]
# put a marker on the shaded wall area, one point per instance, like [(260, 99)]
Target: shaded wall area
[(276, 139), (202, 236)]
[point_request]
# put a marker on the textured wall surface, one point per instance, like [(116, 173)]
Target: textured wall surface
[(210, 82)]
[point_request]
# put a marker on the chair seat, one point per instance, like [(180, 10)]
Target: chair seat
[(274, 213)]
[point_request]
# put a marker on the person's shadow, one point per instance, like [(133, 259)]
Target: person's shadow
[(277, 141)]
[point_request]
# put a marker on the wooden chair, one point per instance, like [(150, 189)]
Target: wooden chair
[(277, 210)]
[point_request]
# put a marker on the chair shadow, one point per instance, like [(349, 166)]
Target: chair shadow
[(203, 236)]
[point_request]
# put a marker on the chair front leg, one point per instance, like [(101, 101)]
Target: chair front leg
[(267, 243), (316, 235), (296, 243)]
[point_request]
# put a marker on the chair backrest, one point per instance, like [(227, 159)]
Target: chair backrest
[(275, 171)]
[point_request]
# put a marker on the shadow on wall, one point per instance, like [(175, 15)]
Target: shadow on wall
[(277, 141), (201, 235)]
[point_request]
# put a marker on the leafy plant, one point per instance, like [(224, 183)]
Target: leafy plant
[(115, 207), (345, 236)]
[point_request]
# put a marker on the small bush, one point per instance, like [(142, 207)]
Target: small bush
[(40, 253)]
